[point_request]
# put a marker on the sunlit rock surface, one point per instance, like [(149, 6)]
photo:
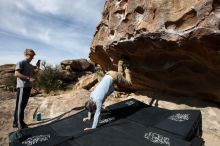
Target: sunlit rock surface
[(173, 45)]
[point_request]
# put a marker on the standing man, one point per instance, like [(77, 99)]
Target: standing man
[(104, 89), (25, 73)]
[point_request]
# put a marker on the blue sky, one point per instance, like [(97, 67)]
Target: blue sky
[(55, 29)]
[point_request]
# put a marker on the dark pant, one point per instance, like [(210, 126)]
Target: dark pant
[(21, 102)]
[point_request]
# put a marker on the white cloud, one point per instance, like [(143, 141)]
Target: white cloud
[(82, 11), (66, 26)]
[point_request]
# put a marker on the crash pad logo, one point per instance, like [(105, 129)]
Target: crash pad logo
[(104, 121), (157, 138), (36, 139), (179, 117), (129, 103)]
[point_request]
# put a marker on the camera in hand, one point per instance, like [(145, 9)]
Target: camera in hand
[(38, 63)]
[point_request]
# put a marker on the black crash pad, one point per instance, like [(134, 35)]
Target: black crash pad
[(130, 123)]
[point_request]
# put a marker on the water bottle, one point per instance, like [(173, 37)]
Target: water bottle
[(38, 116)]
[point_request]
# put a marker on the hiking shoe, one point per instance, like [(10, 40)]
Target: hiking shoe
[(24, 125), (15, 125)]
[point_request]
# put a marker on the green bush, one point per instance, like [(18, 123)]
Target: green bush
[(10, 82), (50, 79)]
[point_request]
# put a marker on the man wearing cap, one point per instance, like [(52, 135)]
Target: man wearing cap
[(105, 88), (25, 73)]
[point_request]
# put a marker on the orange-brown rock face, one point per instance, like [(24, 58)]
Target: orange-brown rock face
[(173, 45), (6, 70)]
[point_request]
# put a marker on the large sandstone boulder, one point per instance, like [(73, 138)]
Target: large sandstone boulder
[(87, 82), (78, 64), (6, 70), (173, 45), (73, 69)]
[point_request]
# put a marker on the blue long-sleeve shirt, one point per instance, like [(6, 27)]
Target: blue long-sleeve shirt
[(104, 89)]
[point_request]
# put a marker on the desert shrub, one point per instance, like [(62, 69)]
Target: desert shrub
[(10, 82), (50, 79)]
